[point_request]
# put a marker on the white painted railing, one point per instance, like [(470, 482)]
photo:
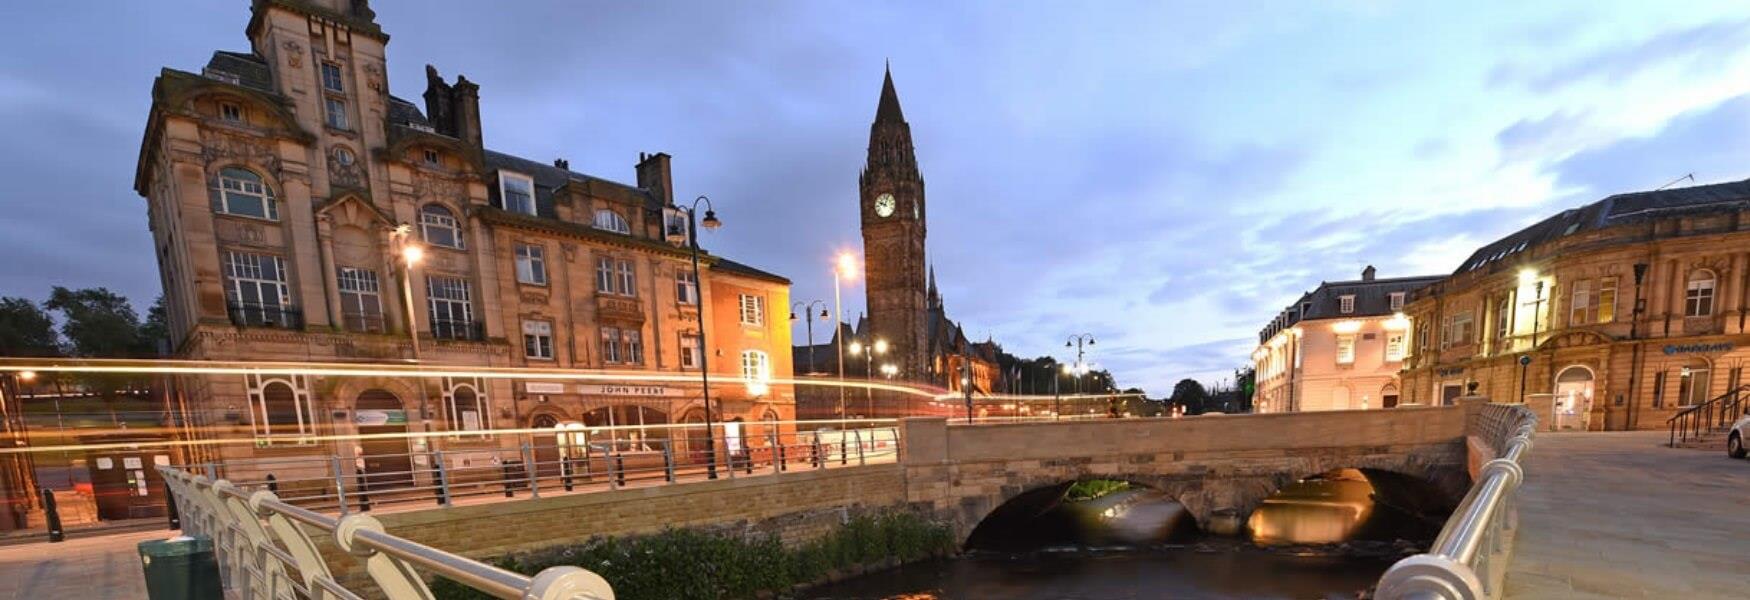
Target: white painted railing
[(265, 550), (1467, 561)]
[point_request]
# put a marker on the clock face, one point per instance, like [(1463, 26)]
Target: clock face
[(884, 205)]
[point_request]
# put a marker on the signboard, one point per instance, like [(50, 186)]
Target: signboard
[(378, 417), (628, 390), (544, 387), (1671, 349), (1449, 371)]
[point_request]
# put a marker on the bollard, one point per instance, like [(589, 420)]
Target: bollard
[(53, 514), (443, 479), (364, 491), (174, 513)]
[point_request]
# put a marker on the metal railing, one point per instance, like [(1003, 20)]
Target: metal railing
[(265, 550), (544, 465), (1707, 417), (1467, 560), (445, 329), (251, 314)]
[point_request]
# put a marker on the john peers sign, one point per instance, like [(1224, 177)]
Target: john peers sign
[(627, 390)]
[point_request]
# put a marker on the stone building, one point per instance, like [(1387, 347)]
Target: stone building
[(905, 309), (1622, 311), (284, 185), (1339, 347)]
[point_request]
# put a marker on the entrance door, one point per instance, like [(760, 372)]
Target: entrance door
[(1388, 396), (1450, 393), (545, 445), (387, 463), (1573, 401)]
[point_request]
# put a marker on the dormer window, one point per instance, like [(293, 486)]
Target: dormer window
[(517, 192), (331, 79), (1346, 304), (608, 220), (431, 158), (229, 111)]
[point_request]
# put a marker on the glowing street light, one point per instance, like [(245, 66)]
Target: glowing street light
[(411, 254), (844, 268), (1527, 276)]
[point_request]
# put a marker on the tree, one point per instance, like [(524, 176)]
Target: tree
[(100, 323), (1191, 395), (155, 332), (1246, 381), (26, 329)]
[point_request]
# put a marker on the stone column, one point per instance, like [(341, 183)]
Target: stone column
[(330, 282)]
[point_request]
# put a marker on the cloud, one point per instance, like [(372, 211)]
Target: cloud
[(1699, 45), (1706, 142)]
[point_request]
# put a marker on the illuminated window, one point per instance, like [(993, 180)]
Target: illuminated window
[(280, 405), (1698, 300), (517, 192), (466, 407), (241, 192), (439, 226), (1346, 304), (1504, 318), (1579, 308), (1605, 311), (756, 370), (1394, 345), (1464, 329), (753, 310), (531, 264), (1345, 349), (608, 220)]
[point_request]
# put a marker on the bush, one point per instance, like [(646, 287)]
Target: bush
[(685, 564)]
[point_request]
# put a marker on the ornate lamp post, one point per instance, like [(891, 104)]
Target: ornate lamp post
[(710, 222), (411, 254), (1081, 367)]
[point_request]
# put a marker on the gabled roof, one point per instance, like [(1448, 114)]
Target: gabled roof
[(1612, 211), (724, 264)]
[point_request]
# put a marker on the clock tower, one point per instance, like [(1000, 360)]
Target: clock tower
[(892, 206)]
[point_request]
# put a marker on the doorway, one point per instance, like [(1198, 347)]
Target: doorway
[(1388, 396), (1450, 392), (385, 461), (1573, 398)]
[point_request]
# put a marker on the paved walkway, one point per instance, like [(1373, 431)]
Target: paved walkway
[(105, 566), (1615, 515)]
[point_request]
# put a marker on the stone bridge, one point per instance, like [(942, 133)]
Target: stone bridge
[(1220, 467)]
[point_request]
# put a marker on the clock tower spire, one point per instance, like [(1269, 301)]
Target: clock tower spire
[(893, 218)]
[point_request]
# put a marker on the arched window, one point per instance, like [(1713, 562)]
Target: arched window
[(439, 226), (280, 406), (465, 407), (1698, 300), (611, 221), (238, 191)]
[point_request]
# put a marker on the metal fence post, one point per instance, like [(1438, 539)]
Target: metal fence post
[(565, 469), (819, 459), (339, 485), (53, 514)]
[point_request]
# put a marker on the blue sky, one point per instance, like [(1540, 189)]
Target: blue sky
[(1163, 175)]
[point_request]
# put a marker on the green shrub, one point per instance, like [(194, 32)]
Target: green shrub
[(686, 564), (1095, 488)]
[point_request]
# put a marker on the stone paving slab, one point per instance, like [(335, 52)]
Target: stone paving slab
[(1616, 515), (104, 566)]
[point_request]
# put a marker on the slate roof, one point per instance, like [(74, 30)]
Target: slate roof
[(1372, 299), (1619, 209), (724, 264), (249, 70), (402, 112)]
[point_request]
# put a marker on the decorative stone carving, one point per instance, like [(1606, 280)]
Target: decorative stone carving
[(294, 53), (345, 175), (217, 145), (373, 77), (429, 187)]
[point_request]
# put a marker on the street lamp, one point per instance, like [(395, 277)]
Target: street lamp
[(868, 352), (1077, 340), (844, 268), (710, 222), (411, 254), (808, 316)]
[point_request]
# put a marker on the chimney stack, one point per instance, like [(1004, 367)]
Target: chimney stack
[(562, 163), (654, 174), (1367, 273), (454, 110)]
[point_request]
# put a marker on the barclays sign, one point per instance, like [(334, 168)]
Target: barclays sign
[(1673, 349)]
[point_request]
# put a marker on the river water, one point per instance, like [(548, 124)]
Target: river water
[(1322, 538)]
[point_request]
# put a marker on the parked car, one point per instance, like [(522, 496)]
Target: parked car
[(1737, 436)]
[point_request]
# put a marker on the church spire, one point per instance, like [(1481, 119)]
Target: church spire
[(935, 299), (888, 111)]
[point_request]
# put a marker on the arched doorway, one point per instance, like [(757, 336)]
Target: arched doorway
[(545, 443), (1573, 401), (693, 438), (1388, 396), (385, 461)]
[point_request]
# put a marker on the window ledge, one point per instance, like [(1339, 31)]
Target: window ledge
[(232, 215)]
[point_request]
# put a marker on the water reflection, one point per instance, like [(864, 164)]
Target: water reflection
[(1324, 537)]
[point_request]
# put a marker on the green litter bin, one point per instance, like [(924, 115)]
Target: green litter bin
[(181, 567)]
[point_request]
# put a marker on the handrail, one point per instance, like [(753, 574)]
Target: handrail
[(1707, 416), (1458, 565), (257, 557)]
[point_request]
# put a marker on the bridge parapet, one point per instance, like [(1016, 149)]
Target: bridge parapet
[(1220, 467)]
